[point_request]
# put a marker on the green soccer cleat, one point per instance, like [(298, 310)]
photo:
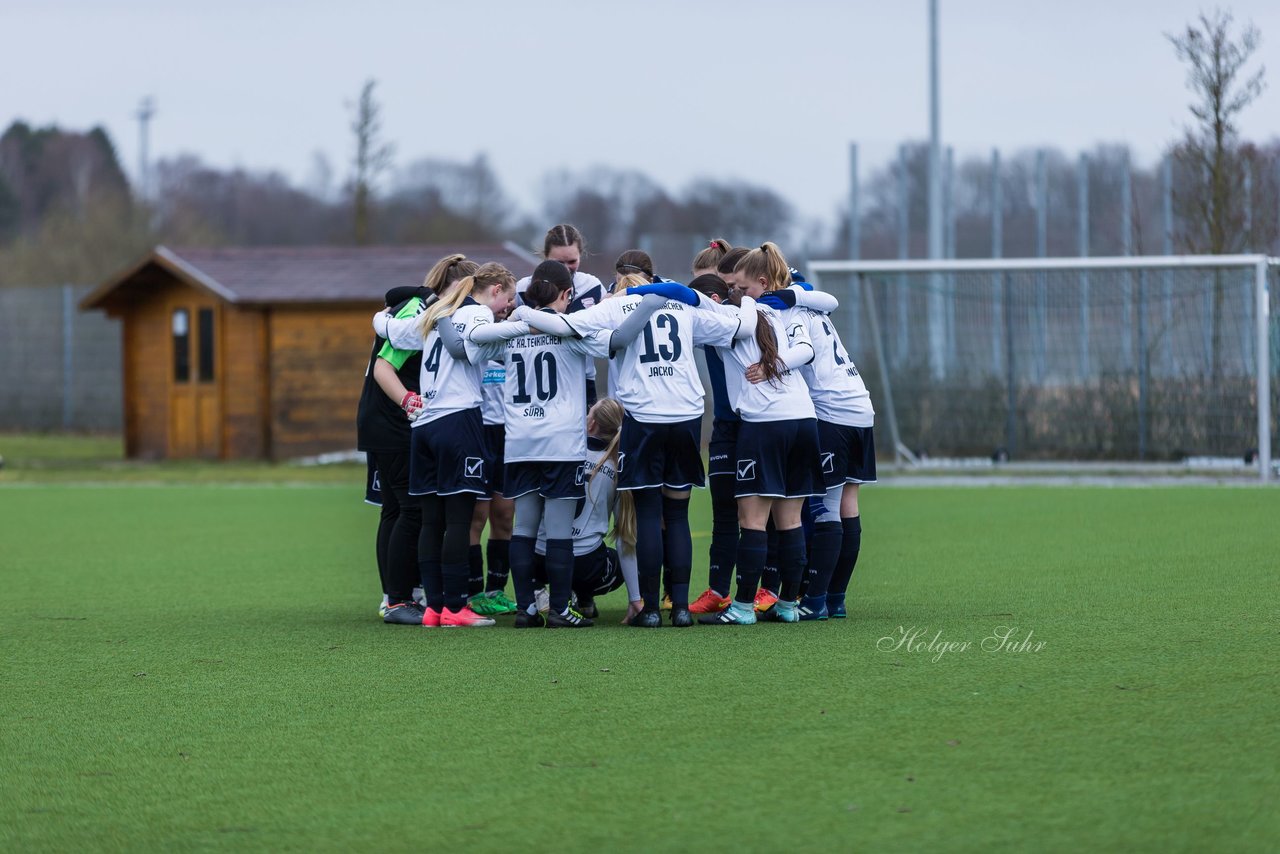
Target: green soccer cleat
[(492, 604)]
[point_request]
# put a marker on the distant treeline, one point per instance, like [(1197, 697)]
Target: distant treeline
[(69, 214)]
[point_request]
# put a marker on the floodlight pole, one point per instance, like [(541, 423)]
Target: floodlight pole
[(937, 343), (146, 112)]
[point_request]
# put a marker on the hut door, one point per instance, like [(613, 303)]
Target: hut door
[(195, 416)]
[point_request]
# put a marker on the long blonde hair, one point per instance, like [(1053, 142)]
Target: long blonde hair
[(448, 270), (608, 413), (486, 276)]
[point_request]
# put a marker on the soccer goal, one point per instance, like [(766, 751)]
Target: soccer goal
[(1131, 359)]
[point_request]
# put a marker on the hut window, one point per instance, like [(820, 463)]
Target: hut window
[(205, 339), (181, 345)]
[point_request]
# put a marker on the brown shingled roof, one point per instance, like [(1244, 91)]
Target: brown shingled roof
[(256, 275)]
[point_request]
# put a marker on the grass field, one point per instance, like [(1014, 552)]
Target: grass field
[(201, 667)]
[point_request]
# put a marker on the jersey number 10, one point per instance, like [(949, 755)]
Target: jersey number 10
[(544, 376)]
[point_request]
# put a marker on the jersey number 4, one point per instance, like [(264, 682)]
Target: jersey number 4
[(667, 351), (544, 377)]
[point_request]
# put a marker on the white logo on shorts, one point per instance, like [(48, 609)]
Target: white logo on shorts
[(584, 473), (829, 462), (622, 460), (746, 469), (377, 484), (474, 467)]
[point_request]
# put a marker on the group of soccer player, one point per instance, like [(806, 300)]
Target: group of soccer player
[(480, 408)]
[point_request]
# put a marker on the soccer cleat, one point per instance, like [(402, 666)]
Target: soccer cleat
[(646, 619), (585, 607), (835, 608), (782, 611), (430, 618), (403, 614), (542, 599), (463, 618), (382, 609), (813, 609), (492, 604), (525, 620), (710, 602), (571, 619), (737, 614), (765, 599), (666, 602), (681, 618)]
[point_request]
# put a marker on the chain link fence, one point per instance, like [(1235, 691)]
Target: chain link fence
[(59, 366)]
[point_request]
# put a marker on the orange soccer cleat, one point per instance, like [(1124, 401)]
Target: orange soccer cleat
[(765, 599), (710, 602)]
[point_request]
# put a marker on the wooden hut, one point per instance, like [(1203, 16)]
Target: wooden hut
[(256, 353)]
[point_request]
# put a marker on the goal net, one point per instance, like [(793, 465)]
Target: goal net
[(1115, 359)]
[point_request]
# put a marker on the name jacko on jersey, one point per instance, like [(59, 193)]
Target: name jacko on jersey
[(658, 378), (543, 399)]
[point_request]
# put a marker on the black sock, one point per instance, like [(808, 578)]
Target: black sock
[(791, 560), (430, 539), (498, 553), (458, 510), (823, 554), (751, 552), (560, 573), (724, 535), (475, 567), (769, 576), (677, 549), (649, 544), (850, 544), (521, 552)]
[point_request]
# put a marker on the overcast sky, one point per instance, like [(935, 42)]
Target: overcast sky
[(769, 92)]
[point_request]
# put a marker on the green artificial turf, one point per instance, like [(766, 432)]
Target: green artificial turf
[(187, 668)]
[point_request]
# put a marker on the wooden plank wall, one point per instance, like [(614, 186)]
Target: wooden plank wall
[(318, 359), (244, 378), (147, 362)]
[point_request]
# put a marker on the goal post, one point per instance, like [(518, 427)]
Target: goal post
[(1124, 359)]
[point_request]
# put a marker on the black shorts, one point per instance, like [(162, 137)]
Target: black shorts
[(652, 455), (553, 479), (597, 573), (847, 454), (449, 455), (495, 439), (778, 459), (372, 484), (722, 452)]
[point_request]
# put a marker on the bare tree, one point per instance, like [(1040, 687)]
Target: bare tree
[(373, 157), (1208, 154), (1215, 58)]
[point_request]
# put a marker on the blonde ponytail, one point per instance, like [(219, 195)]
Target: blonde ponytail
[(485, 276), (766, 263)]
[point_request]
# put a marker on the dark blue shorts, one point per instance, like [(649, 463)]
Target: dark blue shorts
[(449, 455), (597, 573), (847, 454), (495, 438), (778, 459), (722, 452), (652, 455), (554, 479)]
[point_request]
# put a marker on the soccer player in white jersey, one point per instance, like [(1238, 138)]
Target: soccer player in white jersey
[(659, 386), (546, 438), (487, 588), (448, 456), (597, 568), (847, 453), (564, 243), (776, 469)]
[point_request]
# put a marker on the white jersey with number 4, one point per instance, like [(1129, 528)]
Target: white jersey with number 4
[(839, 394), (658, 378), (543, 397), (449, 385)]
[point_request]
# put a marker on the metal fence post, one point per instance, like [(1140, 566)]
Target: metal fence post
[(1263, 352), (68, 354)]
